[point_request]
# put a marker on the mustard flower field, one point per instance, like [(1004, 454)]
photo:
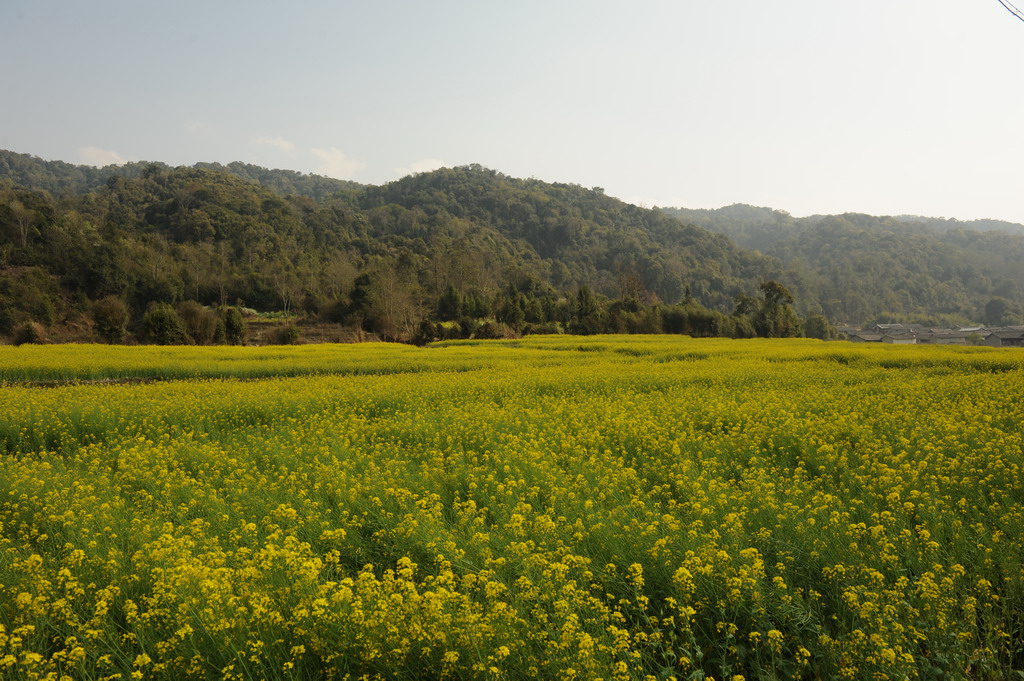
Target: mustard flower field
[(551, 508)]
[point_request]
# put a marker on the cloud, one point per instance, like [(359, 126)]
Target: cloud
[(334, 163), (424, 166), (277, 142), (94, 156)]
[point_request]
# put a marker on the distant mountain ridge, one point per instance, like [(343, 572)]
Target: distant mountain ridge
[(744, 222), (58, 177), (952, 224), (905, 268)]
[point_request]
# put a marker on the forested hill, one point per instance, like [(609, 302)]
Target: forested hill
[(58, 177), (567, 235), (465, 243), (904, 268)]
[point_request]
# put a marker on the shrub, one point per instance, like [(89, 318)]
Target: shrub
[(220, 334), (542, 329), (428, 332), (234, 325), (200, 323), (30, 332), (494, 330), (467, 327), (817, 326), (110, 317), (284, 335), (161, 325)]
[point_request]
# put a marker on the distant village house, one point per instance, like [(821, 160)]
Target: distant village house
[(900, 334)]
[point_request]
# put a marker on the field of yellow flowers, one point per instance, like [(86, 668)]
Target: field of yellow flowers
[(551, 508)]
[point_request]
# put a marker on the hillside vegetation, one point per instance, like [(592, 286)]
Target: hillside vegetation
[(88, 253), (465, 244), (904, 268)]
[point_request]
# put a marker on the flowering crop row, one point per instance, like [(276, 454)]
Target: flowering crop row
[(603, 508)]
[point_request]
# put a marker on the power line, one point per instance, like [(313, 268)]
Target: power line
[(1012, 10)]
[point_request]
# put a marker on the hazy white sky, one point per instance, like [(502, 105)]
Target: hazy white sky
[(812, 106)]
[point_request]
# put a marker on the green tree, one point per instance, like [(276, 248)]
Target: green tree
[(358, 307), (587, 315), (161, 325), (234, 326), (817, 326), (450, 305), (110, 318), (511, 313), (1001, 312), (775, 317)]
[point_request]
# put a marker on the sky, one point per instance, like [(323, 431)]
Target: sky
[(884, 107)]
